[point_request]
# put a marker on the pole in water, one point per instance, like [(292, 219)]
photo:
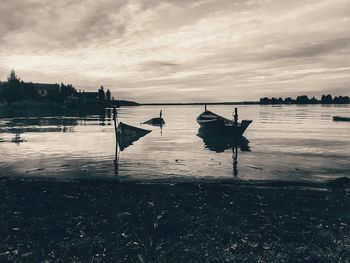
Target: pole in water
[(160, 114), (235, 117), (205, 107), (115, 119), (235, 157)]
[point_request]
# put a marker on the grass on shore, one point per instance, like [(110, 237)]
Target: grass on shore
[(50, 221)]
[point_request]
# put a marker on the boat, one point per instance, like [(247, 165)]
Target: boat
[(155, 122), (340, 118), (214, 122), (127, 134), (159, 121)]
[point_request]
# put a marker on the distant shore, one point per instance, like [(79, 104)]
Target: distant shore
[(99, 221), (200, 103)]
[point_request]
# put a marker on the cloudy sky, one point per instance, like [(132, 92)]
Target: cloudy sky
[(180, 50)]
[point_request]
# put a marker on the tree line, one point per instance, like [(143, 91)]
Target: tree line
[(16, 90), (325, 99)]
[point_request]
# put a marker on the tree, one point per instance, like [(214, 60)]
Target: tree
[(13, 90), (313, 100), (108, 94), (302, 99), (12, 78), (288, 100), (326, 99), (101, 93), (265, 100)]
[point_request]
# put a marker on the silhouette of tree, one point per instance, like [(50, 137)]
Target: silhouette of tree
[(341, 100), (274, 100), (12, 78), (108, 94), (314, 100), (326, 99), (265, 100), (302, 99), (101, 93), (13, 90), (289, 100)]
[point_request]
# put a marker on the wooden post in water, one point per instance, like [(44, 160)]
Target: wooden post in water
[(235, 118), (116, 160), (115, 118), (235, 159)]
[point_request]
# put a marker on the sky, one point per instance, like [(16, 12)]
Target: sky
[(180, 51)]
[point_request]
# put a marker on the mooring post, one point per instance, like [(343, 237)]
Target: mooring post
[(205, 107), (235, 117), (235, 160), (115, 119)]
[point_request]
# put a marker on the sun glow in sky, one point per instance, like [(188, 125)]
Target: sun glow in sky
[(180, 51)]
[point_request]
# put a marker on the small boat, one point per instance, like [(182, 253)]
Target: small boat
[(340, 118), (127, 134), (216, 123), (155, 122), (159, 121)]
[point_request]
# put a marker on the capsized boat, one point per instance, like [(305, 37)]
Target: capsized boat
[(340, 118), (216, 123), (127, 134)]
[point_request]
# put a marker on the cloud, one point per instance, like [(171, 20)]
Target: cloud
[(193, 50)]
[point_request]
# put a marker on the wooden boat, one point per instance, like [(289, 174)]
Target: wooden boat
[(340, 118), (214, 122), (159, 121), (155, 122), (127, 134)]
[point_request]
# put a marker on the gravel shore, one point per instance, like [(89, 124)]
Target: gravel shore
[(101, 221)]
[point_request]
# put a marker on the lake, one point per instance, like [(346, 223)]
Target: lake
[(288, 143)]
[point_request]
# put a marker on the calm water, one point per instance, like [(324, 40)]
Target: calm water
[(293, 143)]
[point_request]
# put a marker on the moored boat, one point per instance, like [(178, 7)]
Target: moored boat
[(214, 122), (127, 134), (159, 121), (340, 118)]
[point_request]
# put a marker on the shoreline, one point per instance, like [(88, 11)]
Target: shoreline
[(104, 221)]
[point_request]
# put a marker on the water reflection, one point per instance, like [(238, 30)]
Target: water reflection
[(38, 124), (125, 136), (306, 149), (219, 143), (105, 116), (44, 124), (123, 141), (17, 139)]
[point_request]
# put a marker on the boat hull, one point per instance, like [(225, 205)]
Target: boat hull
[(340, 118), (155, 122), (220, 125), (127, 134)]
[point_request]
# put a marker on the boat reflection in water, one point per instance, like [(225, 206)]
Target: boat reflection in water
[(125, 136), (219, 143), (159, 122)]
